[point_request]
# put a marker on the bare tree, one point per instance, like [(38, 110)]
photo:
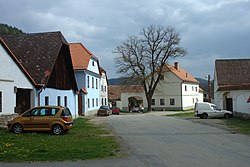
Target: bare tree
[(142, 58)]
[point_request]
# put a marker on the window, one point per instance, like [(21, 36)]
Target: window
[(105, 88), (185, 87), (93, 102), (153, 101), (102, 101), (46, 100), (192, 88), (193, 100), (93, 63), (96, 83), (172, 102), (88, 81), (161, 77), (196, 89), (162, 102), (93, 82), (65, 101), (96, 101), (1, 102), (102, 88), (58, 100), (88, 104)]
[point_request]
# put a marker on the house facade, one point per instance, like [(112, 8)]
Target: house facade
[(232, 85), (37, 71), (177, 90), (104, 88), (87, 74)]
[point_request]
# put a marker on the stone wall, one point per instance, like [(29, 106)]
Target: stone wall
[(4, 119), (242, 115)]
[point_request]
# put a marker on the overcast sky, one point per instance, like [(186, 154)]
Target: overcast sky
[(210, 29)]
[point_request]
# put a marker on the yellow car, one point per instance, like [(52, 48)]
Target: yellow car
[(44, 118)]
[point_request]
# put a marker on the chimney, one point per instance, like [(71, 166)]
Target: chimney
[(176, 65)]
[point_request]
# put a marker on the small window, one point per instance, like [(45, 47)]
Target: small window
[(96, 101), (162, 102), (153, 101), (54, 111), (88, 103), (102, 101), (172, 102), (93, 102), (185, 87), (59, 100), (1, 102), (46, 100), (96, 83), (65, 101), (105, 88), (93, 82), (88, 81), (161, 77), (93, 63), (66, 112), (102, 88)]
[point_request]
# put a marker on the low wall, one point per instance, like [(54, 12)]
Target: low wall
[(4, 119), (242, 115)]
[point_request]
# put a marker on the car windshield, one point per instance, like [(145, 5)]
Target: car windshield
[(104, 107)]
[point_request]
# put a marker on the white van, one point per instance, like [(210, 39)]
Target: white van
[(205, 110)]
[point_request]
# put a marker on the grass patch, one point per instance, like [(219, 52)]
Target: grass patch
[(83, 141), (238, 124), (185, 114)]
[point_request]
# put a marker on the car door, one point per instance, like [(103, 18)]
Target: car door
[(41, 120), (28, 118), (217, 112)]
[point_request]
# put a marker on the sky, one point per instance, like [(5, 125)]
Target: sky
[(209, 29)]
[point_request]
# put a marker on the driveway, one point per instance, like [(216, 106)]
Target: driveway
[(152, 140)]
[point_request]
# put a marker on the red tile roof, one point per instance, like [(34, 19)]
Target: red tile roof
[(180, 73), (233, 74), (80, 56), (115, 91)]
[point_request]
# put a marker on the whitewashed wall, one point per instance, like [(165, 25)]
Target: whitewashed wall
[(72, 99), (10, 76)]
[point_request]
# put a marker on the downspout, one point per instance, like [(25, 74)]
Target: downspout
[(181, 95), (39, 92)]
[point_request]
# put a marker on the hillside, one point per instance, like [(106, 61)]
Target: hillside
[(9, 30)]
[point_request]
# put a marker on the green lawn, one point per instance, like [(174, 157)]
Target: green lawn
[(239, 125), (83, 141)]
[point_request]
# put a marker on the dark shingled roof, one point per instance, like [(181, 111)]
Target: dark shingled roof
[(36, 52), (233, 74)]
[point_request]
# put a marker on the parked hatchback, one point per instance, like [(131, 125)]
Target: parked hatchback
[(104, 111), (44, 118)]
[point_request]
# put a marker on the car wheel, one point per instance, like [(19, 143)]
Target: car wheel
[(204, 115), (226, 116), (57, 129), (17, 128)]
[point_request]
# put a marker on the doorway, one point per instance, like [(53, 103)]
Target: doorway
[(229, 104), (22, 100)]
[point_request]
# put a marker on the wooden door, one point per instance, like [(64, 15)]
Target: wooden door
[(22, 100)]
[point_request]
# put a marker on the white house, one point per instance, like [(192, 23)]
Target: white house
[(87, 74), (36, 69), (232, 85), (104, 88), (177, 90)]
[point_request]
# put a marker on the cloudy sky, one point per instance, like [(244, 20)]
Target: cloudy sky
[(210, 29)]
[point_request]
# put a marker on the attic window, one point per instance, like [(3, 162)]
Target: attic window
[(93, 63), (161, 77)]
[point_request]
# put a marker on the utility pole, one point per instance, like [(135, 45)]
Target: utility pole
[(209, 88)]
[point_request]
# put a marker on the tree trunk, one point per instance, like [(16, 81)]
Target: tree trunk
[(149, 100)]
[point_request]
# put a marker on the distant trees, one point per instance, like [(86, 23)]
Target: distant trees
[(9, 30), (141, 58)]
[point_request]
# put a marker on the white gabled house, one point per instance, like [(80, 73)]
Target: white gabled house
[(36, 69), (232, 85), (177, 90), (87, 74)]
